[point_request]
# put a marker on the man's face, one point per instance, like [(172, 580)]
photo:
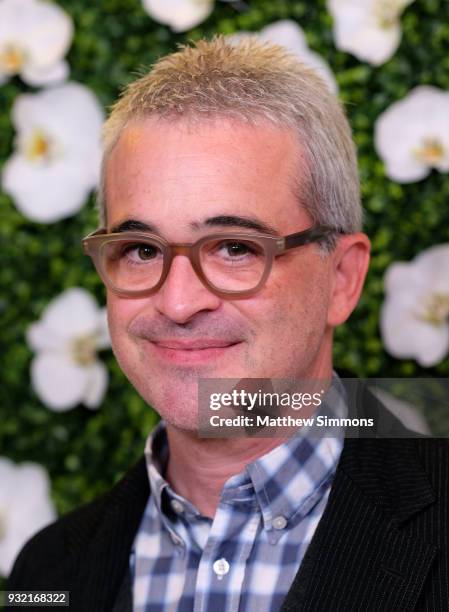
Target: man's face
[(180, 180)]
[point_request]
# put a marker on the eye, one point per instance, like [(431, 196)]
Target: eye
[(139, 252), (232, 253), (236, 249)]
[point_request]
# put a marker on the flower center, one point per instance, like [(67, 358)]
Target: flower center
[(39, 147), (387, 12), (12, 58), (83, 350), (431, 152), (436, 309)]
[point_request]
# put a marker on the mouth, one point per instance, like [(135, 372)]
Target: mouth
[(191, 352)]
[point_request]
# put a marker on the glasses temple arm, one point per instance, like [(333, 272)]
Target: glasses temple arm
[(311, 235)]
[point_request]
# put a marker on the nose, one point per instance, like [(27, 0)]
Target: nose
[(183, 294)]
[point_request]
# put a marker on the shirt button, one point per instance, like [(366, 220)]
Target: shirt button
[(279, 522), (221, 567), (177, 506)]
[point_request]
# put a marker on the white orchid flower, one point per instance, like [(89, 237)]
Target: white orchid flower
[(289, 34), (25, 507), (415, 315), (412, 135), (34, 37), (66, 372), (57, 154), (369, 29), (180, 15)]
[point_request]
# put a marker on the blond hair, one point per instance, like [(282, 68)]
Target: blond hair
[(252, 81)]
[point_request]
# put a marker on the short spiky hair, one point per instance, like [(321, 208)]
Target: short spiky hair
[(253, 81)]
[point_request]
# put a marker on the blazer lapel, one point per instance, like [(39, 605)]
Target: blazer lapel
[(361, 556), (104, 561)]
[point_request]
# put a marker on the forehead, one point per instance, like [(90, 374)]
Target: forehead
[(179, 172)]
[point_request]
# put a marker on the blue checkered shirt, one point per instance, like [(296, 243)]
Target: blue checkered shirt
[(246, 557)]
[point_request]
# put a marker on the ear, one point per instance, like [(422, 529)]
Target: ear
[(350, 261)]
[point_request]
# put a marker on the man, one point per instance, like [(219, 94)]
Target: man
[(231, 149)]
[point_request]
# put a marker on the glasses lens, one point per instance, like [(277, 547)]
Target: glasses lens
[(132, 265), (233, 264)]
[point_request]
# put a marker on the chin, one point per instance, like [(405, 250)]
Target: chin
[(182, 417), (185, 423), (176, 405)]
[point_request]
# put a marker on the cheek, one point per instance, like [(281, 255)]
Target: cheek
[(290, 313), (293, 294), (120, 314)]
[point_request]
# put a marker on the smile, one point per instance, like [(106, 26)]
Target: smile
[(191, 352)]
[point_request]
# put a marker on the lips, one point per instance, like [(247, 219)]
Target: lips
[(201, 351), (193, 345)]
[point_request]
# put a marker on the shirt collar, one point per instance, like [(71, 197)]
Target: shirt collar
[(156, 456)]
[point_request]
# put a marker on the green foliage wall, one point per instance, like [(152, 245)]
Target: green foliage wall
[(85, 451)]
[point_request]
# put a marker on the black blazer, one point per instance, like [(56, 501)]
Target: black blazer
[(382, 543)]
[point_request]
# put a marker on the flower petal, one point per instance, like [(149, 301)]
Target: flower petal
[(53, 182), (72, 314), (70, 114), (180, 15), (433, 266), (372, 45), (405, 336), (58, 381), (376, 46), (412, 318), (41, 338), (97, 383), (433, 346), (38, 76), (42, 30), (25, 507), (406, 126), (47, 31), (48, 193), (407, 171), (404, 279), (288, 33), (368, 29)]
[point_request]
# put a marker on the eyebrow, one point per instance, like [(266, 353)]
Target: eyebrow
[(134, 225), (237, 221)]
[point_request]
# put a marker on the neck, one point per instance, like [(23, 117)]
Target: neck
[(198, 468)]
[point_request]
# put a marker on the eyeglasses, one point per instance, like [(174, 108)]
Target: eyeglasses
[(230, 264)]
